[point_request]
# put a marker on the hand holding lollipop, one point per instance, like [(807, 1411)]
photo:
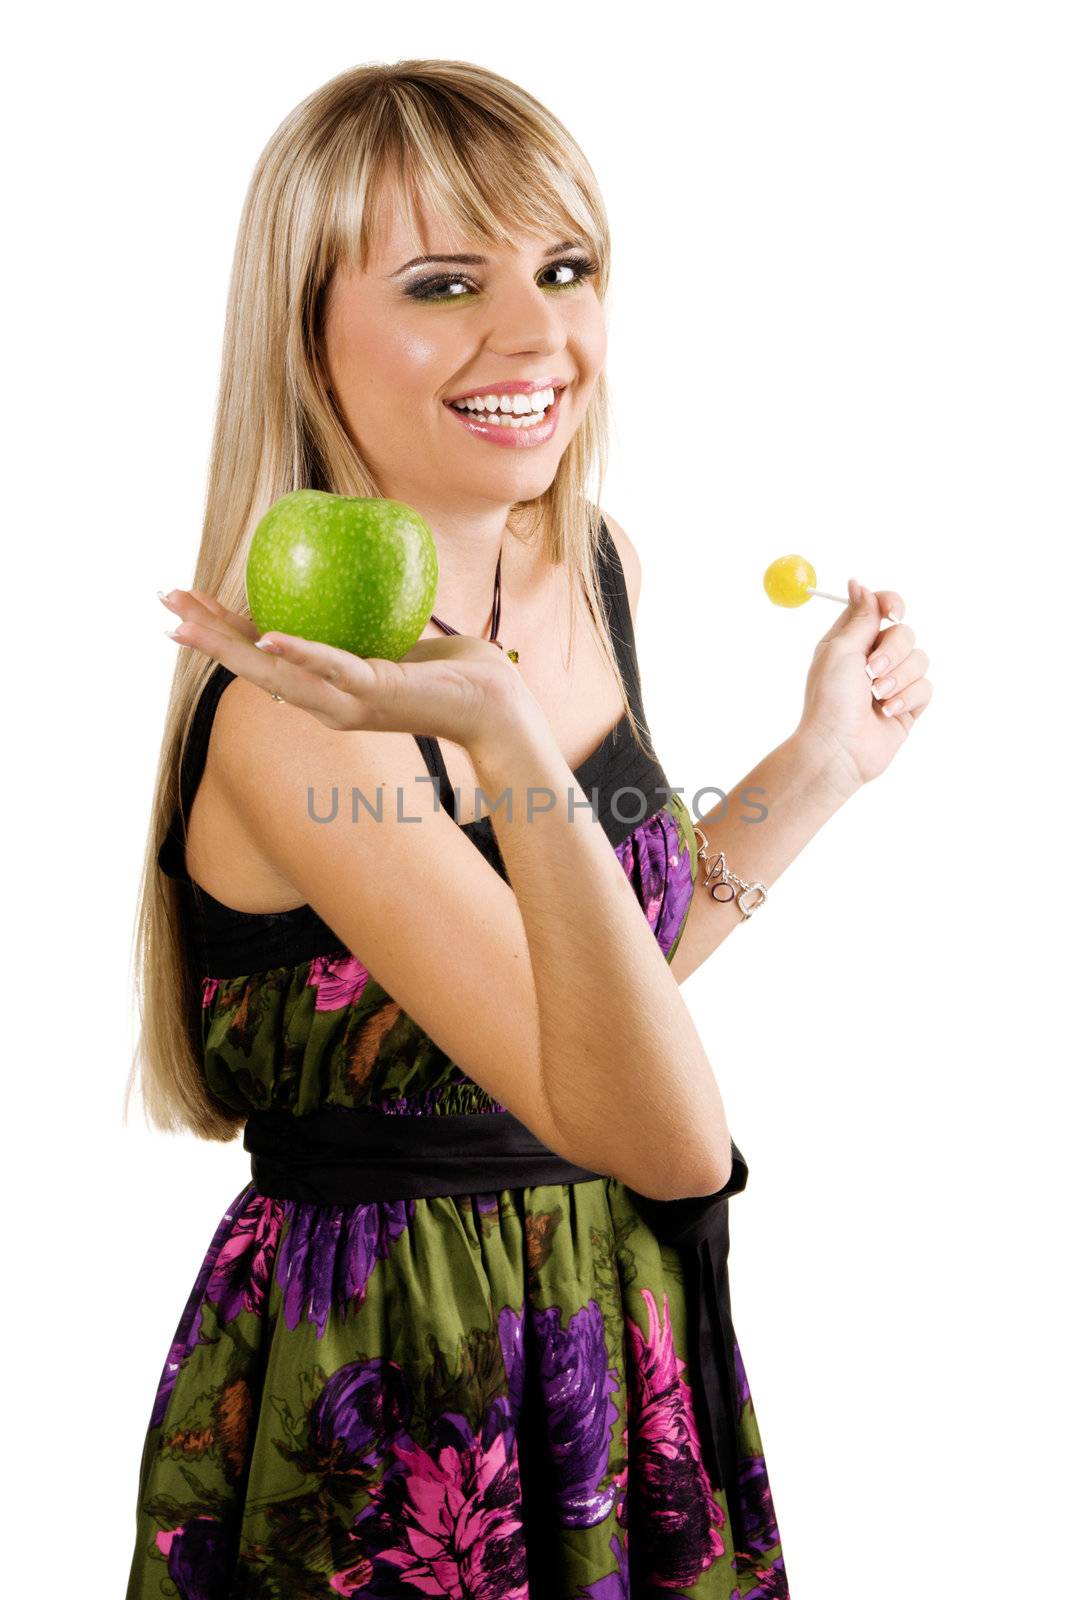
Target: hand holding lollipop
[(790, 581), (838, 703)]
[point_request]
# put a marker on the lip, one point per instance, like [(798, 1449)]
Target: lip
[(509, 386), (497, 433)]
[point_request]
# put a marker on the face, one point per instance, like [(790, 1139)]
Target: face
[(402, 340)]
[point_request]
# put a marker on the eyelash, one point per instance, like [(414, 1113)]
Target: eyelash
[(583, 268)]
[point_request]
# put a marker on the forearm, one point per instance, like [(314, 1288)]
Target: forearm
[(624, 1073), (763, 824)]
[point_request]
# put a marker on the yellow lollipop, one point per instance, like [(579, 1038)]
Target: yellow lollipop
[(790, 581)]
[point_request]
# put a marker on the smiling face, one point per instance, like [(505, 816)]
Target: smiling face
[(401, 340)]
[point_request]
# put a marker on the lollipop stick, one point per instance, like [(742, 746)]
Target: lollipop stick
[(823, 595)]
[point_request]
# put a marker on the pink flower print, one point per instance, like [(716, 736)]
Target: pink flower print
[(449, 1525), (340, 980), (668, 1479), (208, 988), (240, 1280)]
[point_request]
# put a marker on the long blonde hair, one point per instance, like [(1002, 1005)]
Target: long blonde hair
[(466, 144)]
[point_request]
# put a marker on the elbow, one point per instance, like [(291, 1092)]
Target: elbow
[(702, 1181)]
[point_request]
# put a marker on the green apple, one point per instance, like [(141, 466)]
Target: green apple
[(360, 574)]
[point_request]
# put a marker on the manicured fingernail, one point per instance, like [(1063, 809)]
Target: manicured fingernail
[(269, 644), (892, 615), (877, 664), (166, 598), (893, 707), (884, 688), (174, 633)]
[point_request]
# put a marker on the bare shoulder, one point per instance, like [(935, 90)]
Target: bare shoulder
[(631, 561), (267, 749)]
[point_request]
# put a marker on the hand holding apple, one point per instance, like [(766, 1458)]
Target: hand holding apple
[(358, 574), (454, 687)]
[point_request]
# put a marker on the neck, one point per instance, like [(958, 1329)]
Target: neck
[(468, 547)]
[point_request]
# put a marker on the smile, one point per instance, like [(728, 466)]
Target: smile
[(519, 420)]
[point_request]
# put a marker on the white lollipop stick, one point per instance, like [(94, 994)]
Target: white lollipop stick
[(822, 593)]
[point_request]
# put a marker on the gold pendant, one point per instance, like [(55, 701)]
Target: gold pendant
[(514, 654)]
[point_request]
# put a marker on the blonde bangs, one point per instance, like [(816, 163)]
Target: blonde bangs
[(491, 178)]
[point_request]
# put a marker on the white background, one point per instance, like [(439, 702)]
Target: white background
[(837, 326)]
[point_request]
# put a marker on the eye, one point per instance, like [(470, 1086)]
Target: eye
[(441, 288)]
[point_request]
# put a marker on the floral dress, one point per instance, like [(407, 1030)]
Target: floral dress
[(479, 1396)]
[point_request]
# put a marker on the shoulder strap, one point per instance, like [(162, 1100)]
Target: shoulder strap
[(613, 580), (171, 855), (430, 750)]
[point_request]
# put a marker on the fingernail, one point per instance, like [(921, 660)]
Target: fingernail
[(268, 644), (877, 664), (885, 688), (893, 707), (853, 590), (166, 598), (174, 633), (893, 616)]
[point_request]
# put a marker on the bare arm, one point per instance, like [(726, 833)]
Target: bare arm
[(623, 1068), (550, 992), (763, 824), (765, 820)]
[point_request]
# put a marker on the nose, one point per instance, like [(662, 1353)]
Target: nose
[(524, 319)]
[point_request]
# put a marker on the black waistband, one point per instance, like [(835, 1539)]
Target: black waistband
[(338, 1157), (341, 1157)]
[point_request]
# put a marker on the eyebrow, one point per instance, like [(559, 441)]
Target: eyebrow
[(474, 261)]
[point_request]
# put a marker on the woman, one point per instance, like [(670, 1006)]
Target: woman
[(467, 1331)]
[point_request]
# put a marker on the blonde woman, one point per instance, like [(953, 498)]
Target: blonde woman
[(466, 1332)]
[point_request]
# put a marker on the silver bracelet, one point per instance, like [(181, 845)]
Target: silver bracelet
[(725, 879)]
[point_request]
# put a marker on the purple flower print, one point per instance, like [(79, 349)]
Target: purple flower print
[(760, 1532), (361, 1407), (340, 980), (668, 1478), (653, 859), (613, 1585), (771, 1582), (577, 1383), (510, 1327), (329, 1252), (741, 1376), (248, 1204), (200, 1558), (447, 1523)]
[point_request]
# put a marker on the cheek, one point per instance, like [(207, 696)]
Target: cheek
[(416, 361), (590, 342)]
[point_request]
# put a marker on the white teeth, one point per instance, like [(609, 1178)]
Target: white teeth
[(517, 404)]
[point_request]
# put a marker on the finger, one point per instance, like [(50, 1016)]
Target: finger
[(912, 667), (355, 675), (912, 699), (917, 711), (889, 603), (858, 623), (276, 674), (234, 618), (889, 649), (193, 605)]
